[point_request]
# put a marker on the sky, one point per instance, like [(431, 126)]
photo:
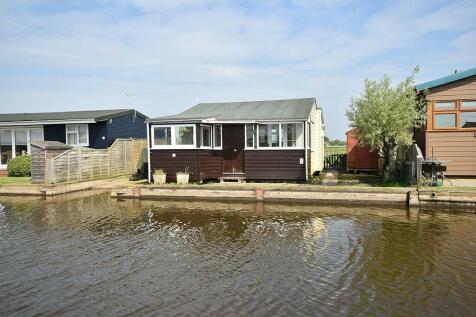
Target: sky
[(173, 54)]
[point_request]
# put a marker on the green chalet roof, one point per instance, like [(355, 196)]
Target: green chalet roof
[(446, 80), (88, 115), (289, 109)]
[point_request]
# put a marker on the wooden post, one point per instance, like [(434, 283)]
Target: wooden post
[(125, 155), (69, 164), (91, 156), (108, 162), (80, 164)]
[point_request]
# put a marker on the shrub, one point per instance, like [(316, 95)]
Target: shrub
[(19, 166)]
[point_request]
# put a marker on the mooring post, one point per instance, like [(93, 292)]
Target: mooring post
[(259, 194)]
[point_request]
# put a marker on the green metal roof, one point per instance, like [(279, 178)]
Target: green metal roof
[(446, 79), (289, 109), (94, 115)]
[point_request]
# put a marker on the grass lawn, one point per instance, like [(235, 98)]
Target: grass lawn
[(335, 149), (6, 180)]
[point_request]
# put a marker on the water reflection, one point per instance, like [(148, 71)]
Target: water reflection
[(85, 254)]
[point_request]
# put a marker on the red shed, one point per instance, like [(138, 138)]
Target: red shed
[(359, 158)]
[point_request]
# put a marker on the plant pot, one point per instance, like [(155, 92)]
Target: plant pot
[(183, 178), (159, 179)]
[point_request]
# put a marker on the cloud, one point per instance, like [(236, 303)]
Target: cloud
[(172, 54)]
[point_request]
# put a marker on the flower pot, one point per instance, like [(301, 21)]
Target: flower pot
[(159, 179), (182, 178)]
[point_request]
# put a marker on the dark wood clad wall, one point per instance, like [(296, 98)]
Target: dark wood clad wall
[(204, 164), (459, 147), (210, 164), (163, 159), (275, 165)]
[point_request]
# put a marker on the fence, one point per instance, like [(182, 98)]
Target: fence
[(338, 161), (81, 164)]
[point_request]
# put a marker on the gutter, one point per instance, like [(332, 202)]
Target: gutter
[(44, 122), (225, 121)]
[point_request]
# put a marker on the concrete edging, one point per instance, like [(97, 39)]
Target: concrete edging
[(259, 194)]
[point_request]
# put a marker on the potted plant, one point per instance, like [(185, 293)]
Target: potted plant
[(183, 177), (159, 176)]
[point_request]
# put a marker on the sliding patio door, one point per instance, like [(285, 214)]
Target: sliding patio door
[(6, 146), (16, 141)]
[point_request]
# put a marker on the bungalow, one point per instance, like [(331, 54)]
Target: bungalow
[(256, 140), (95, 129), (450, 133)]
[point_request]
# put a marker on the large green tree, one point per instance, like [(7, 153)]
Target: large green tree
[(385, 116)]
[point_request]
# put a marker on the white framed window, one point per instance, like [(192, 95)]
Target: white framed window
[(292, 135), (173, 136), (16, 141), (77, 134), (250, 136), (205, 136), (217, 136), (283, 135), (268, 135)]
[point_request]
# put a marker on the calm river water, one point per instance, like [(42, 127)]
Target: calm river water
[(90, 255)]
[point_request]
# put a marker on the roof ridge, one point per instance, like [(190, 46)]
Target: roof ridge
[(69, 111), (248, 101), (446, 79)]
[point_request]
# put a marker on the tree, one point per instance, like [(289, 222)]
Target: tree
[(385, 117)]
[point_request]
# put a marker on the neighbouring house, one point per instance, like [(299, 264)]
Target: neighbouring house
[(450, 132), (360, 158), (93, 128), (256, 140)]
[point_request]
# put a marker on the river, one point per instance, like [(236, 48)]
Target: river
[(90, 255)]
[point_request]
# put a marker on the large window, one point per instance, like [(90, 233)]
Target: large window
[(163, 136), (6, 152), (184, 135), (291, 135), (468, 104), (250, 136), (179, 136), (77, 134), (445, 105), (268, 135), (458, 114), (14, 142), (21, 142), (279, 135), (217, 137), (445, 120), (467, 119), (206, 136)]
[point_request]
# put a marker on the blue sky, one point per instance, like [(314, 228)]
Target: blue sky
[(172, 54)]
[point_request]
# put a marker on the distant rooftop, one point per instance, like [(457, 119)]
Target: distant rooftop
[(93, 115), (446, 80), (288, 109)]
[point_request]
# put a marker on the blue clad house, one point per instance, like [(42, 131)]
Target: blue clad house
[(95, 128)]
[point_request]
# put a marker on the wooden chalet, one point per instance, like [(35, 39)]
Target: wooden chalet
[(256, 140), (450, 133)]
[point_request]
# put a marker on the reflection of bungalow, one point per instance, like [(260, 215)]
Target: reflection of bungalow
[(258, 140), (96, 129), (451, 126)]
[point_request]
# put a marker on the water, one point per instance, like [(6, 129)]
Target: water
[(95, 256)]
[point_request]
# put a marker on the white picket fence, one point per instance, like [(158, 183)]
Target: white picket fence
[(82, 164)]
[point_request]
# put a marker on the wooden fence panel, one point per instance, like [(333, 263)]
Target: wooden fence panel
[(81, 164), (337, 161)]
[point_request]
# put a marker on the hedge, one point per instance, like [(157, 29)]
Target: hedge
[(19, 166)]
